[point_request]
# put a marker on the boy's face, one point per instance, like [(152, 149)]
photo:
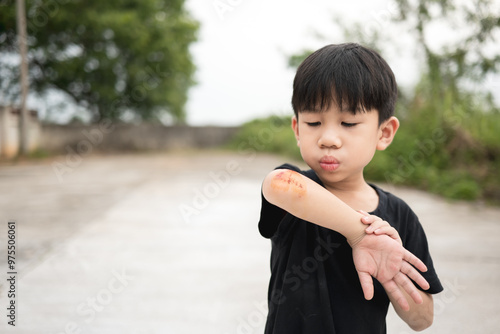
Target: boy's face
[(338, 145)]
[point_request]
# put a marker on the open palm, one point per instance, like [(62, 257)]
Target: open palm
[(384, 258)]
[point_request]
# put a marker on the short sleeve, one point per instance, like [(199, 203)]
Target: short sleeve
[(415, 241), (270, 214), (399, 214)]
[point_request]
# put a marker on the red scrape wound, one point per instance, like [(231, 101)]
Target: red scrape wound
[(289, 180)]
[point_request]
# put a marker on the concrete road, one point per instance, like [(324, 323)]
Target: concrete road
[(168, 243)]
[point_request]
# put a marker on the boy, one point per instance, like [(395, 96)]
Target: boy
[(323, 255)]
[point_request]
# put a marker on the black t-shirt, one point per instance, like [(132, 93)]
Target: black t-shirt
[(314, 287)]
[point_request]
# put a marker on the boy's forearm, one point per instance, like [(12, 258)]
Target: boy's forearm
[(420, 316), (307, 200)]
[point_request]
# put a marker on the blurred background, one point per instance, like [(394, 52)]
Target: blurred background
[(135, 134)]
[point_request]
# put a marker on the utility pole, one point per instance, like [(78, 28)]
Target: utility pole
[(23, 50)]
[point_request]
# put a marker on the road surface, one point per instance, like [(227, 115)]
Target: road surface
[(168, 243)]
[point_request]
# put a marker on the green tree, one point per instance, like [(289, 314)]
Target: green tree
[(111, 57), (468, 57), (471, 53), (449, 141)]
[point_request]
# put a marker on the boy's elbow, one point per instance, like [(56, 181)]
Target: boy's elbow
[(267, 190), (283, 182), (423, 319), (423, 324)]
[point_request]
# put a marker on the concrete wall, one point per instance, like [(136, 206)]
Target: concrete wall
[(107, 136), (9, 131)]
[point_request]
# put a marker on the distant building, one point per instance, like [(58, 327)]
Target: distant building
[(9, 131)]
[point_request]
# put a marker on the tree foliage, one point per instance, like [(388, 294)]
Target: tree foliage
[(449, 139), (111, 57), (472, 52)]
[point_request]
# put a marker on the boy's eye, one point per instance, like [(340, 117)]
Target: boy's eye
[(313, 123), (348, 125)]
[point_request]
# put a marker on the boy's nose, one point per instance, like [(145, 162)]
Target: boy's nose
[(330, 139)]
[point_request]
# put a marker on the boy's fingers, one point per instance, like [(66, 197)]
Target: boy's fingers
[(374, 223), (409, 287), (388, 230), (393, 290), (412, 273), (415, 261), (366, 284), (377, 224), (367, 220)]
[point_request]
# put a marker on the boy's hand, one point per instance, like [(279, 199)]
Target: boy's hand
[(384, 258), (378, 226)]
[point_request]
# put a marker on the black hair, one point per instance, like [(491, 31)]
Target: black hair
[(354, 77)]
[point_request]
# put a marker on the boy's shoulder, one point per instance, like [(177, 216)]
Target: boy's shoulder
[(398, 214), (388, 202)]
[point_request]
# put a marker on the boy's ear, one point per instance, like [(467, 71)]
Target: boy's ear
[(295, 127), (387, 131)]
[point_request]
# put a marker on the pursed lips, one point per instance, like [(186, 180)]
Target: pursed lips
[(329, 163)]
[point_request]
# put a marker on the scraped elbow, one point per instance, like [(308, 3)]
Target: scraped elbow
[(282, 182)]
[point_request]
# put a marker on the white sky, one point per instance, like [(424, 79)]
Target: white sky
[(242, 52), (243, 47)]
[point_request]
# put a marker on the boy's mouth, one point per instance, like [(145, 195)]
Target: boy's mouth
[(329, 163)]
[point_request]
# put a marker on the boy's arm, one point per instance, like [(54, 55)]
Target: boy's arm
[(420, 316), (307, 200), (379, 256)]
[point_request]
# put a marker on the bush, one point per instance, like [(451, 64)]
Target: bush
[(455, 154), (272, 134)]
